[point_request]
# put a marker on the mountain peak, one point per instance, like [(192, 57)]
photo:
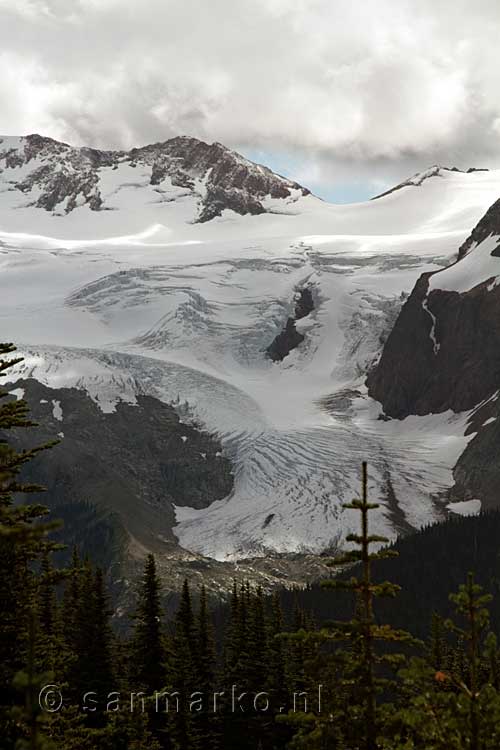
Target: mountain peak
[(58, 177), (435, 170)]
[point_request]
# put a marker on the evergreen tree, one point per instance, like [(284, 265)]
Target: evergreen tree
[(22, 537), (466, 714), (184, 672), (232, 638), (52, 654), (47, 597), (301, 651), (276, 673), (258, 662), (361, 680), (31, 718), (101, 650), (470, 603), (207, 727), (277, 663), (71, 598), (236, 656), (92, 670), (438, 651), (148, 646)]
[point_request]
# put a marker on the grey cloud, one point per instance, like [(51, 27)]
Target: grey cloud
[(370, 87)]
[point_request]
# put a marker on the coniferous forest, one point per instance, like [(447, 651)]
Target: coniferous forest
[(369, 659)]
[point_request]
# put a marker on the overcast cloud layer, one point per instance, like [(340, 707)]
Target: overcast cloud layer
[(335, 92)]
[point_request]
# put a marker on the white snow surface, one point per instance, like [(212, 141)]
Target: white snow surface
[(57, 411), (18, 393), (139, 300), (478, 266), (466, 507)]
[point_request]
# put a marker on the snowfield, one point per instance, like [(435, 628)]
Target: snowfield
[(138, 299)]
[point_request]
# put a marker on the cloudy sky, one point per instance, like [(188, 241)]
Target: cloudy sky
[(348, 97)]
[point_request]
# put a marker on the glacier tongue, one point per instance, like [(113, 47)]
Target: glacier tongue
[(290, 481)]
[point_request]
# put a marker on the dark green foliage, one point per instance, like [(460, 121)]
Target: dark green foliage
[(55, 629), (207, 726), (31, 718), (149, 655), (96, 532), (185, 671), (357, 671), (22, 543), (431, 563), (458, 706)]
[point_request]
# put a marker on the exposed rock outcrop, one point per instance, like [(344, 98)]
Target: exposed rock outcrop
[(489, 225), (63, 177), (444, 350), (417, 179), (136, 462), (477, 472), (289, 338), (443, 353)]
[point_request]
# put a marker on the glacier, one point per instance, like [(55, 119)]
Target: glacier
[(139, 298)]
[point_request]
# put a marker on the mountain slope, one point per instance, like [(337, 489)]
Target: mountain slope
[(59, 178), (430, 565), (444, 351), (262, 327), (419, 178), (138, 462)]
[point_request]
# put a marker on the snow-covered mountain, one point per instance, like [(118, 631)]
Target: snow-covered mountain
[(184, 272), (205, 179), (444, 354)]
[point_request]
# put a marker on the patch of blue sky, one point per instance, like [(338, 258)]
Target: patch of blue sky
[(299, 169)]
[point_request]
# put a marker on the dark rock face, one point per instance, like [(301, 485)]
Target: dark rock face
[(69, 176), (289, 338), (416, 376), (444, 353), (444, 350), (477, 472), (134, 463), (113, 479), (489, 224), (232, 181)]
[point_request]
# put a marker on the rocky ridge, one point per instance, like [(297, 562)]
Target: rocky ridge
[(289, 338), (444, 353), (59, 178), (115, 479), (444, 350), (419, 178), (137, 462)]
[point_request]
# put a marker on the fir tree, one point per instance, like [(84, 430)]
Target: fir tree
[(31, 718), (148, 647), (361, 681), (22, 537), (258, 663), (438, 650), (184, 671), (277, 666), (466, 713), (70, 612), (101, 647), (206, 722), (470, 603), (232, 637), (52, 654), (71, 597)]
